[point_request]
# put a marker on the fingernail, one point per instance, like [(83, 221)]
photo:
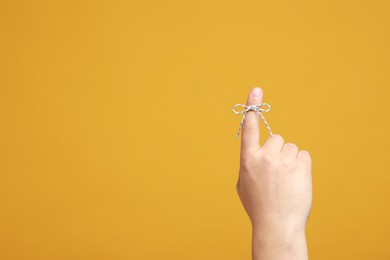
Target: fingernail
[(256, 93)]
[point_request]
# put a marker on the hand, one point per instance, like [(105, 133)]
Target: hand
[(275, 188)]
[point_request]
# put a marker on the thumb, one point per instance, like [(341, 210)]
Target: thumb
[(250, 138)]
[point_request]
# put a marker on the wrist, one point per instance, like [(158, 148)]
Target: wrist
[(278, 243)]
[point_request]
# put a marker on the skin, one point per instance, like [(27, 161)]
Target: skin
[(275, 188)]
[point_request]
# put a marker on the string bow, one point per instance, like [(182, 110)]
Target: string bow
[(257, 108)]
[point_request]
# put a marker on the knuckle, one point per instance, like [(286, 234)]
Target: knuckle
[(278, 138), (268, 160), (292, 146), (286, 161), (305, 153), (246, 163)]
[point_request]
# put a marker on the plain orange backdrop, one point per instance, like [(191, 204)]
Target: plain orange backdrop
[(117, 134)]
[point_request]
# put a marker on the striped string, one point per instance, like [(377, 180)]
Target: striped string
[(257, 108)]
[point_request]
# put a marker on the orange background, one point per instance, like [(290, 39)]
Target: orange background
[(117, 135)]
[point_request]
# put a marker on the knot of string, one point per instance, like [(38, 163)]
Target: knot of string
[(257, 108)]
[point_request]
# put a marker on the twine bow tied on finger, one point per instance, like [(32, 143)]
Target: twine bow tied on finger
[(259, 108)]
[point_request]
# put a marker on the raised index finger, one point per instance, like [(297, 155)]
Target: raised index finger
[(250, 138)]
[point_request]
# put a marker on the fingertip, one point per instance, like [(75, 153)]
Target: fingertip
[(256, 93), (304, 155), (278, 138)]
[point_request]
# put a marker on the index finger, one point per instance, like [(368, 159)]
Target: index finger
[(250, 138)]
